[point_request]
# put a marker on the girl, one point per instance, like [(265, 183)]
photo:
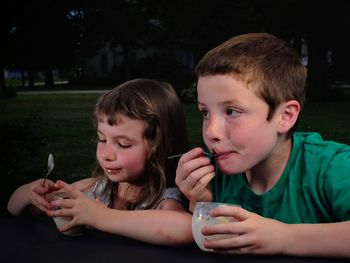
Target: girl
[(139, 124)]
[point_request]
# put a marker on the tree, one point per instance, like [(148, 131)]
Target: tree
[(6, 30), (43, 37), (201, 25)]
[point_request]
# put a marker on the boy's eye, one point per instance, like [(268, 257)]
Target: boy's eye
[(205, 114), (101, 140), (232, 112)]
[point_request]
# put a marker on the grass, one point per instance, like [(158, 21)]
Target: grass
[(31, 127)]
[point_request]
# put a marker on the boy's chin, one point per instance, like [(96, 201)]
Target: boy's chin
[(228, 170)]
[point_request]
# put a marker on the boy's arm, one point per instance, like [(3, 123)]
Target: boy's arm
[(254, 234), (324, 240)]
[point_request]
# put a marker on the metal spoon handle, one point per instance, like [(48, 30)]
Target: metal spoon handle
[(47, 174), (50, 165), (175, 156), (180, 154)]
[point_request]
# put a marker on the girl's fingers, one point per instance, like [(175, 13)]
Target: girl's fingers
[(62, 203), (67, 226), (61, 212), (52, 186), (43, 208), (64, 185), (71, 190)]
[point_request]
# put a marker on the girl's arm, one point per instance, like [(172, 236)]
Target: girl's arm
[(32, 198), (169, 224), (164, 227)]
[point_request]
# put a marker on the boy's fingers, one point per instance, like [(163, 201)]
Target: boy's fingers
[(232, 211), (190, 155)]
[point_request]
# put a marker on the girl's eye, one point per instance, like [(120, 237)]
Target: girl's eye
[(101, 140), (125, 146), (232, 112)]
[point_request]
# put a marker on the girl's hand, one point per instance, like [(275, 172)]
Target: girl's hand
[(193, 175), (40, 196), (251, 233), (82, 209)]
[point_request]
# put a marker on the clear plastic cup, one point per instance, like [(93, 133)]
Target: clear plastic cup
[(201, 217), (63, 220)]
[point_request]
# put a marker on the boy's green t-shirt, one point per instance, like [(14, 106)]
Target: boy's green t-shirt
[(314, 187)]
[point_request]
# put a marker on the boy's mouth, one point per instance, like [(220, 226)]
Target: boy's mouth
[(218, 155), (214, 154)]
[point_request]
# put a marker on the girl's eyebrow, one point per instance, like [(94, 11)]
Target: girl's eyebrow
[(117, 136)]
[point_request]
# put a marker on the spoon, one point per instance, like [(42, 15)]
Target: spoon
[(180, 154), (50, 165)]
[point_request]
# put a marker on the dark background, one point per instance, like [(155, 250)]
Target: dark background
[(43, 35), (46, 36)]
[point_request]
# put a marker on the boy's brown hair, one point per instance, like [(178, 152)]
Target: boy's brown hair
[(267, 64)]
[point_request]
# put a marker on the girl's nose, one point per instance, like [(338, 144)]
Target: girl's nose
[(109, 154)]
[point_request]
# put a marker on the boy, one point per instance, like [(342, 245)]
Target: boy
[(293, 188)]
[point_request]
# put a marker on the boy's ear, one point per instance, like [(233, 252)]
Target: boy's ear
[(289, 115)]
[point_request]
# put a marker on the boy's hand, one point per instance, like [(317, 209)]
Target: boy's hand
[(251, 233), (39, 194), (193, 175)]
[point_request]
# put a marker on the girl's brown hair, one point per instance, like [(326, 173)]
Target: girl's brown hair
[(158, 106)]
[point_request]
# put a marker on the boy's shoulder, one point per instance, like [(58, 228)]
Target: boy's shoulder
[(313, 141), (314, 148)]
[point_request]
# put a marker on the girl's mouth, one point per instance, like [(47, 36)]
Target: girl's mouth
[(112, 170)]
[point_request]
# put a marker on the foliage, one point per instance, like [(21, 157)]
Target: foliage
[(164, 67), (189, 94), (18, 143), (78, 29), (8, 92), (34, 126)]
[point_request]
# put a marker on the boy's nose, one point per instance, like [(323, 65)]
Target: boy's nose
[(214, 129)]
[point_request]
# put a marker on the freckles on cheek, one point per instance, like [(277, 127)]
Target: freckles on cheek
[(205, 139)]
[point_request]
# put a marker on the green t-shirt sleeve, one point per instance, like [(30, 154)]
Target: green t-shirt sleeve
[(337, 184)]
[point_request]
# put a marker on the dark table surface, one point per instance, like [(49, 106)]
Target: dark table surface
[(29, 240)]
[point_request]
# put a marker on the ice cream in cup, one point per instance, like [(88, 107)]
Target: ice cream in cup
[(201, 217), (60, 221)]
